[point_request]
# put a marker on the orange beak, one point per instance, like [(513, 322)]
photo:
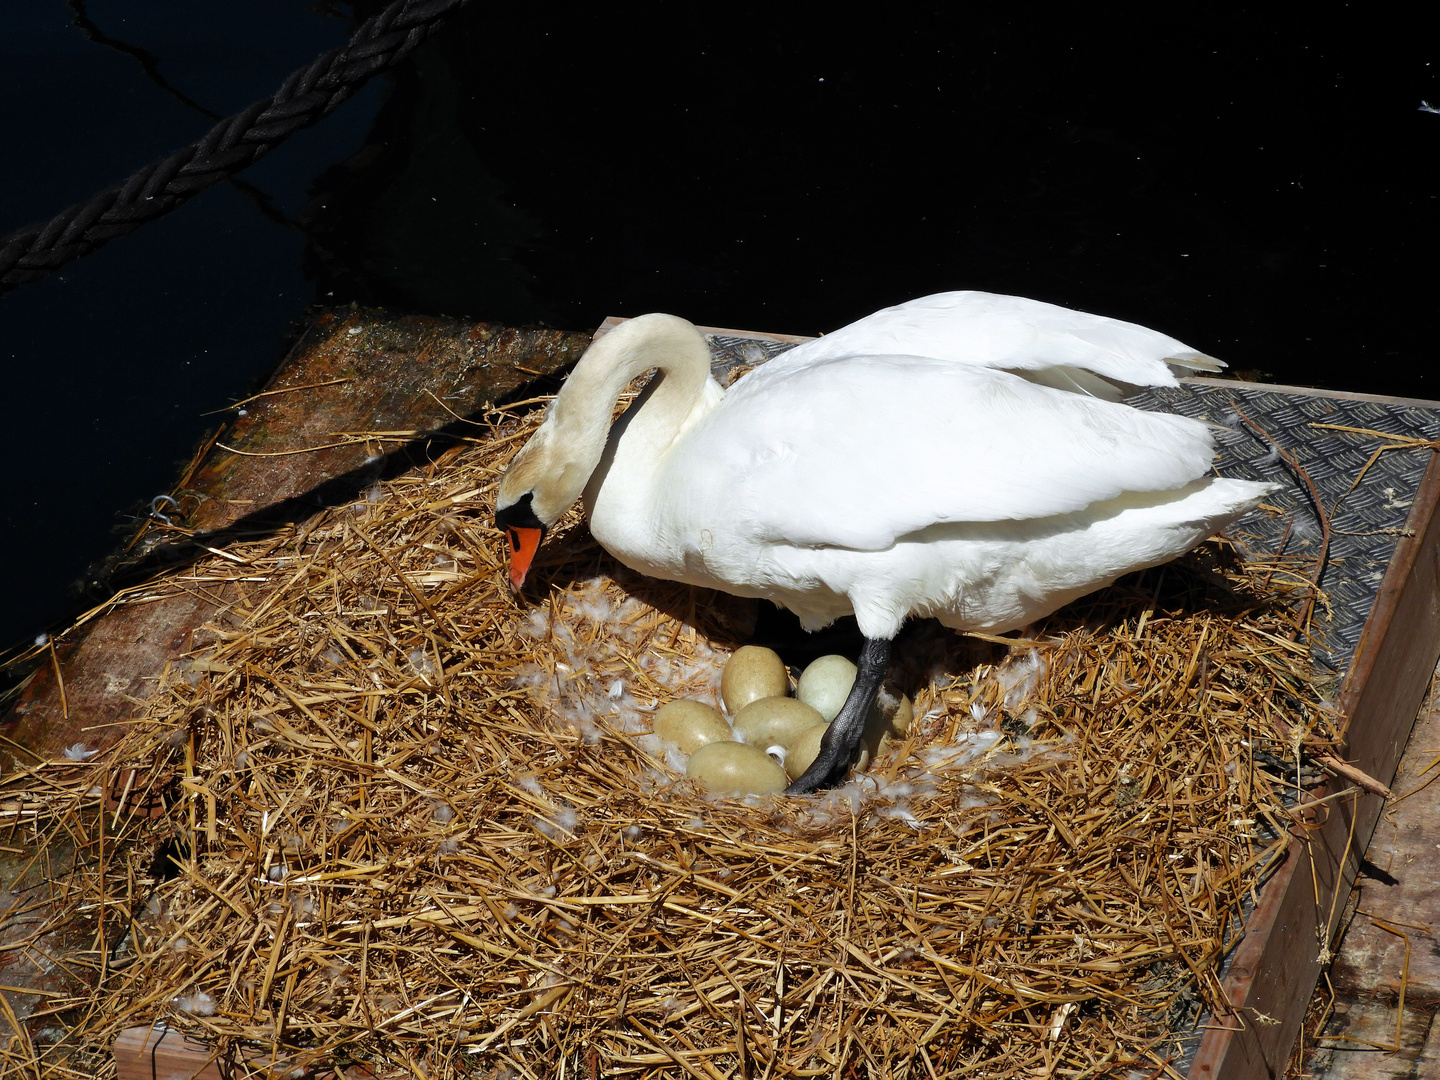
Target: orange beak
[(524, 542)]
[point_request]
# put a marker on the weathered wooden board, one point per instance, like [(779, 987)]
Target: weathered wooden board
[(147, 1053), (1405, 845), (1364, 1051), (1385, 982)]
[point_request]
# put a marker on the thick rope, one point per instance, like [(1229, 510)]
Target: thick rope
[(308, 95)]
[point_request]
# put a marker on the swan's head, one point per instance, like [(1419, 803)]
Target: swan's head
[(551, 471), (544, 480)]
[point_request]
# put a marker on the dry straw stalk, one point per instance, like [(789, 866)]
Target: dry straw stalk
[(393, 844)]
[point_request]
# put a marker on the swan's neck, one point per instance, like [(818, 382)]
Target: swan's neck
[(575, 446), (587, 401)]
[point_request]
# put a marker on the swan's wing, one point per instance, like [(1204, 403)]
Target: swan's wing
[(858, 452), (1041, 342)]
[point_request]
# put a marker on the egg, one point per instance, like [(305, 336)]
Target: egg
[(904, 715), (826, 683), (751, 674), (888, 723), (773, 720), (804, 748), (691, 725), (735, 769)]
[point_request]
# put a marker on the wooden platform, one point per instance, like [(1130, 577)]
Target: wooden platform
[(362, 396)]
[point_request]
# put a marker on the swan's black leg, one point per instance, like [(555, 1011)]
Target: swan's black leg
[(842, 740)]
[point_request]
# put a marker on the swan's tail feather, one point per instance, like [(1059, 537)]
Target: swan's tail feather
[(1194, 363), (1075, 380), (1222, 503)]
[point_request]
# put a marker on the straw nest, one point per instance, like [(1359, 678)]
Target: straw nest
[(383, 813)]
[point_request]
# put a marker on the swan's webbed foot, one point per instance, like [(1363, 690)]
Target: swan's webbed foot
[(841, 742)]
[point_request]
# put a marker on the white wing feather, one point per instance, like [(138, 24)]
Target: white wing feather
[(1015, 334), (848, 471)]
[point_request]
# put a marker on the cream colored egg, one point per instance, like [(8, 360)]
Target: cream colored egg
[(887, 724), (826, 684), (691, 725), (904, 715), (773, 720), (735, 769), (805, 748), (750, 674)]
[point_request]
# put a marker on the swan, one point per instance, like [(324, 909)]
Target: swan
[(961, 456)]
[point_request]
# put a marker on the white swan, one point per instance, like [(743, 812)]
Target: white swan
[(952, 457)]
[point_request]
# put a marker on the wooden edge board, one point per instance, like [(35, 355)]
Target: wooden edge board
[(612, 321), (1290, 936), (148, 1053), (1310, 391)]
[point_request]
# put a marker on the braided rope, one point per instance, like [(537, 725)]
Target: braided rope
[(231, 145)]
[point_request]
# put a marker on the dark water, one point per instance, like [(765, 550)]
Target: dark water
[(1262, 188)]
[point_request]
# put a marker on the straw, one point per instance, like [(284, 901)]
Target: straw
[(422, 826)]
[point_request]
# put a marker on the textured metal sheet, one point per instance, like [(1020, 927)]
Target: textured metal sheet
[(1366, 519), (731, 354)]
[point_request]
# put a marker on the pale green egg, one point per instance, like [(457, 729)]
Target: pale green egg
[(826, 683), (735, 769), (750, 674), (773, 720), (691, 725)]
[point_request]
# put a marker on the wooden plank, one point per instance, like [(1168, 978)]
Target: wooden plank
[(1391, 946), (1371, 960), (1358, 1043), (1275, 968), (145, 1053)]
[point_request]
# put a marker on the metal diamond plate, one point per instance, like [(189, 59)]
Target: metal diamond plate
[(1366, 519), (732, 353)]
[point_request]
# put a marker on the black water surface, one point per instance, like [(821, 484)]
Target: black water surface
[(1260, 187)]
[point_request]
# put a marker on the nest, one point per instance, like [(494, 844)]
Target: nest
[(383, 813)]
